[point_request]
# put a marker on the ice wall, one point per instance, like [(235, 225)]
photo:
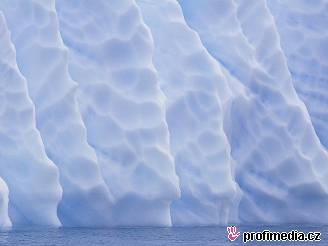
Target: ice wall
[(192, 83), (110, 56), (42, 59), (303, 28), (4, 199), (144, 112), (31, 177), (269, 129)]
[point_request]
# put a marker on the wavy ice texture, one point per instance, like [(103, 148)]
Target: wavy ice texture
[(303, 27), (110, 52), (255, 18), (23, 164), (42, 59), (203, 91), (280, 161), (193, 84)]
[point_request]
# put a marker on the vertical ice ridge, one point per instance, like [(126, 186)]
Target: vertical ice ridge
[(304, 38), (43, 60), (255, 15), (4, 200), (260, 30), (145, 112), (110, 54), (269, 132), (236, 57), (194, 86), (23, 161)]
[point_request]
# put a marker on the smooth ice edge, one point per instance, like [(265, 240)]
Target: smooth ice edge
[(4, 200)]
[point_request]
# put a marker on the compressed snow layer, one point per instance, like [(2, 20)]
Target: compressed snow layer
[(110, 56), (280, 162), (192, 83), (303, 28), (23, 162), (42, 59)]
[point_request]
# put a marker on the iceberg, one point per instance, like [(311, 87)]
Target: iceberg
[(303, 33), (4, 218), (110, 56), (192, 83), (43, 61), (163, 112), (269, 129), (25, 166)]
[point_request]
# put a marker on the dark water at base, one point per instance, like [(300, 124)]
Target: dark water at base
[(204, 236)]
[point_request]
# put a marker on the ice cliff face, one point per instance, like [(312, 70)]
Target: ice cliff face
[(279, 158), (162, 112), (303, 29), (192, 83), (122, 106), (42, 59), (31, 177)]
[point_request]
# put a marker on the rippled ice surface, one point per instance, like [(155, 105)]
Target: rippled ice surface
[(143, 236)]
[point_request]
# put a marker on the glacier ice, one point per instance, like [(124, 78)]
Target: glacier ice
[(163, 112), (303, 28), (4, 193), (24, 164), (192, 83), (122, 106), (4, 218), (42, 59), (269, 129)]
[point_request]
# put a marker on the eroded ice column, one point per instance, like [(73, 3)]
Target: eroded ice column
[(31, 177), (42, 59), (4, 200), (303, 29), (280, 162), (110, 52), (194, 86)]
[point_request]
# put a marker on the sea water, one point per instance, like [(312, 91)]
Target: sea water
[(143, 236)]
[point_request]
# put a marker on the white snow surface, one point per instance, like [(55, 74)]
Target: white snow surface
[(163, 112)]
